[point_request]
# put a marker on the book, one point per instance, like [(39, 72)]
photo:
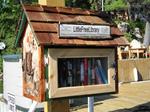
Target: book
[(89, 71), (82, 72), (98, 76), (85, 71), (102, 73)]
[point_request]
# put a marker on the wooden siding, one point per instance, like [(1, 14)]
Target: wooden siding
[(33, 68)]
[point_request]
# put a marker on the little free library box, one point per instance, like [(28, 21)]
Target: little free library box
[(67, 52)]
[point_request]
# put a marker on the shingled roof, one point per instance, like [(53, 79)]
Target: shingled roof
[(44, 22)]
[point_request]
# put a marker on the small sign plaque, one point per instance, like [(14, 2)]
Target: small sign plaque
[(84, 31), (11, 103)]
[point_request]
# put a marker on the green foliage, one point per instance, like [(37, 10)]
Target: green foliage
[(132, 25), (84, 4), (146, 1), (30, 1), (128, 36), (109, 5), (8, 18), (1, 86), (69, 3), (115, 5), (137, 23), (9, 15)]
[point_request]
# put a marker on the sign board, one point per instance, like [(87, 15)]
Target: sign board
[(84, 31), (11, 103)]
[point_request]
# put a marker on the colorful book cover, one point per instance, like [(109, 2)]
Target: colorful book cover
[(89, 71), (74, 69), (93, 76), (93, 71), (102, 72), (69, 65), (98, 76), (77, 74), (82, 72), (85, 71)]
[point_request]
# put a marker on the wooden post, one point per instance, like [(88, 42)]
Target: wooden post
[(119, 53), (58, 105)]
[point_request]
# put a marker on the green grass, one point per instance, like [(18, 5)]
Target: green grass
[(1, 86)]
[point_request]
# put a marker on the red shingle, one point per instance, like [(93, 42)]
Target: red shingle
[(36, 8), (45, 27), (36, 16), (115, 31)]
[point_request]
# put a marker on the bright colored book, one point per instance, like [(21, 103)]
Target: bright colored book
[(93, 71), (89, 71), (98, 76), (102, 73), (85, 71), (82, 72)]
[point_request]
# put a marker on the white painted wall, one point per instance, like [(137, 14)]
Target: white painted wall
[(3, 107), (13, 82)]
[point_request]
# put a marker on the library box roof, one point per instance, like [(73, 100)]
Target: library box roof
[(44, 22)]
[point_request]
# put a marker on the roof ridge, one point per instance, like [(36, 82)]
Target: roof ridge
[(61, 10)]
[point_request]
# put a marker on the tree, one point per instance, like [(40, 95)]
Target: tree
[(84, 4), (111, 5), (8, 20), (146, 1), (9, 15), (30, 1)]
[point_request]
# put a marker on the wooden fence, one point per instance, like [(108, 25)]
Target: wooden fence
[(127, 66)]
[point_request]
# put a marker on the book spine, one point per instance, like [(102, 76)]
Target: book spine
[(98, 77), (74, 69), (93, 71), (89, 72), (70, 81), (102, 73), (85, 71), (82, 72)]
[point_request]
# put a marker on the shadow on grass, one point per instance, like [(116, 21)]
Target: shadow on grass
[(140, 108), (79, 103)]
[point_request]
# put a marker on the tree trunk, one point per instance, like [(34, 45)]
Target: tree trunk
[(129, 11)]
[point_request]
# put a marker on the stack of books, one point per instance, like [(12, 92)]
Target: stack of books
[(81, 71)]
